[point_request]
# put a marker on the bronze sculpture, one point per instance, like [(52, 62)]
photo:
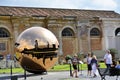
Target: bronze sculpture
[(36, 49)]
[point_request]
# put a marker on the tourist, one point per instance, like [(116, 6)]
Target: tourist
[(107, 60), (118, 65), (75, 63), (36, 45), (94, 64), (89, 58), (114, 63)]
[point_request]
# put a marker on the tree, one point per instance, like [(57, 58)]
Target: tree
[(113, 51)]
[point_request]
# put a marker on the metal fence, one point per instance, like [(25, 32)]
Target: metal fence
[(7, 64)]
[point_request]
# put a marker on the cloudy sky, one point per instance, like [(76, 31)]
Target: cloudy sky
[(69, 4)]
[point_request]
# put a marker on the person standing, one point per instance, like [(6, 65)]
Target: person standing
[(94, 64), (118, 65), (8, 59), (36, 45), (89, 58), (107, 60), (75, 63)]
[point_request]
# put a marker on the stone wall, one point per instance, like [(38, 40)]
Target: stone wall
[(77, 43)]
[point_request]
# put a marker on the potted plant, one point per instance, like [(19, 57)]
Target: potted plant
[(67, 58)]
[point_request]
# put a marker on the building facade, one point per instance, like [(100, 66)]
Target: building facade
[(76, 30)]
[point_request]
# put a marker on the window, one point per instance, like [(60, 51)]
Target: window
[(117, 32), (4, 33), (2, 46), (95, 32), (67, 32)]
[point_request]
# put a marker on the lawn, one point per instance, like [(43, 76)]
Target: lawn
[(14, 70), (64, 67)]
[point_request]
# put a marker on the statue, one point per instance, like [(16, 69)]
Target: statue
[(36, 49)]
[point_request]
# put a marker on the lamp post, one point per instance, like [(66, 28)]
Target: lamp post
[(11, 70), (81, 66), (70, 64), (78, 67), (25, 74)]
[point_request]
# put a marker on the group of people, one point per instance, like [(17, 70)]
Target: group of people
[(92, 64)]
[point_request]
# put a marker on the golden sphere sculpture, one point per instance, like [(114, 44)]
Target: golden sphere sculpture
[(36, 49)]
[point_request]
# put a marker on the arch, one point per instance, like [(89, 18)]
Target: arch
[(61, 38), (68, 40), (4, 33), (117, 32), (117, 38), (94, 32), (67, 32), (95, 39)]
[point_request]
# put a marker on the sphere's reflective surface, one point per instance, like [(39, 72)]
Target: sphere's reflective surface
[(36, 49)]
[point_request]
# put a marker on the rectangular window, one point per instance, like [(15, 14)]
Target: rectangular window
[(2, 46)]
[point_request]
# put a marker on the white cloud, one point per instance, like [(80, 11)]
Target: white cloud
[(64, 3), (105, 4), (73, 4)]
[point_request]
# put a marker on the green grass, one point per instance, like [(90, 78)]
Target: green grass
[(64, 67), (14, 70), (102, 65)]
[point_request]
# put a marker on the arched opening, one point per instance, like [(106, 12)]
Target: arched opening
[(4, 33), (117, 38), (68, 41), (95, 34), (67, 32), (117, 32)]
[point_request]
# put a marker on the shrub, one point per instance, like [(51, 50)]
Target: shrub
[(113, 51), (68, 57)]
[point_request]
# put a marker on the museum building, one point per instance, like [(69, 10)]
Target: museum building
[(77, 30)]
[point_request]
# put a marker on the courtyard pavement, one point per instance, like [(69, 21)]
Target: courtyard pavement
[(63, 75)]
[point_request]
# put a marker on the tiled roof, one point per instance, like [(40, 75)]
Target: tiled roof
[(32, 11)]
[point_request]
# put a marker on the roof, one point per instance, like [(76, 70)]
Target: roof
[(32, 11)]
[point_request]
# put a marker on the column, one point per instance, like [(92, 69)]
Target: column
[(79, 39), (89, 39)]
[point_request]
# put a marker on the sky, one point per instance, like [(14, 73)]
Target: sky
[(66, 4)]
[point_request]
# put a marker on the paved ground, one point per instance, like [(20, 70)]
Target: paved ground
[(59, 76)]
